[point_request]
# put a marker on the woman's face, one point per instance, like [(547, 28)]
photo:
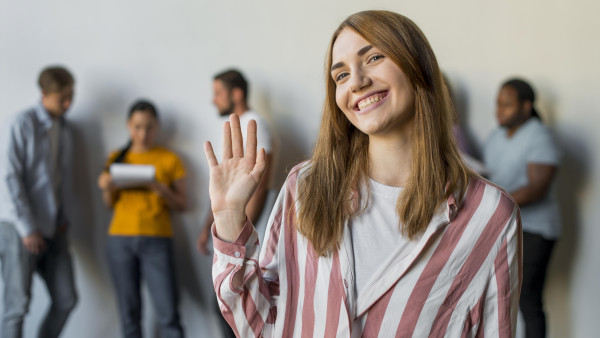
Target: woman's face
[(371, 90), (143, 127)]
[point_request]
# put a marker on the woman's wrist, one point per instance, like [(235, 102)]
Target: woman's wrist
[(229, 224)]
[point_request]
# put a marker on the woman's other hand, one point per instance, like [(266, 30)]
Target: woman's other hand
[(105, 182)]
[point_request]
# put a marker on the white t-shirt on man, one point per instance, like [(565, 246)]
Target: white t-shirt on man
[(263, 137)]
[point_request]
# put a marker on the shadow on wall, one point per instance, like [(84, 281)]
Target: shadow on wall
[(90, 225), (571, 182), (289, 149), (88, 234), (287, 138), (460, 101)]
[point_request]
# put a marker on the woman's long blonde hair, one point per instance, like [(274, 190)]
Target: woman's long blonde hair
[(340, 163)]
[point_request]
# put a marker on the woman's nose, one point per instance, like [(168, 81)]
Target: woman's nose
[(359, 80)]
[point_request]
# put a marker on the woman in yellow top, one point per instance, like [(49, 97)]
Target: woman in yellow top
[(139, 243)]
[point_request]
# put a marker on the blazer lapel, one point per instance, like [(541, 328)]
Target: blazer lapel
[(347, 269)]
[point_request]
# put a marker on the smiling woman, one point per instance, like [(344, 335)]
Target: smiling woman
[(367, 80), (383, 232), (394, 61)]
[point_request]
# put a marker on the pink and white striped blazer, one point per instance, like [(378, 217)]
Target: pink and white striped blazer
[(462, 280)]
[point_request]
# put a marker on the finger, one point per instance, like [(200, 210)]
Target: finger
[(251, 142), (237, 143), (210, 154), (261, 164), (226, 141)]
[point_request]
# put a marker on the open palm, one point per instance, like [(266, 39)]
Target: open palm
[(234, 180)]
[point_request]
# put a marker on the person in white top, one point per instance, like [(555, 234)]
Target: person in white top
[(231, 97)]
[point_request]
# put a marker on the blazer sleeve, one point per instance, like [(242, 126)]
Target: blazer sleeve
[(246, 279), (501, 299)]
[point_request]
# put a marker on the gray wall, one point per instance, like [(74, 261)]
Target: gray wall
[(168, 51)]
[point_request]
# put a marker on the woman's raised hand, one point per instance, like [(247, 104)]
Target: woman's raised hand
[(234, 180)]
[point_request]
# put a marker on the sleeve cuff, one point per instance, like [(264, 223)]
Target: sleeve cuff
[(236, 249), (24, 229)]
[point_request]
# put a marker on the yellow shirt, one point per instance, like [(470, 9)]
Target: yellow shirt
[(141, 212)]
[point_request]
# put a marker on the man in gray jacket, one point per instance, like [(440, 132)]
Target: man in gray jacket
[(35, 189)]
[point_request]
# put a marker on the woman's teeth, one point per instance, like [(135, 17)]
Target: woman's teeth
[(369, 101)]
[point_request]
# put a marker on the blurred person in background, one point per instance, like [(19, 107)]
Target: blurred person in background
[(140, 245), (230, 96), (36, 169), (523, 158)]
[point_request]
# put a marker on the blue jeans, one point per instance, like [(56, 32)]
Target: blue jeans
[(132, 258), (18, 265)]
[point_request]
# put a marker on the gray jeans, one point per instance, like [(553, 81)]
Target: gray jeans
[(18, 265), (136, 258)]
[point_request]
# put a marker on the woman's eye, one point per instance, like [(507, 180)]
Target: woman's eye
[(375, 58), (340, 76)]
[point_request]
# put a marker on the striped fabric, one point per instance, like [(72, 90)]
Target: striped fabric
[(462, 279)]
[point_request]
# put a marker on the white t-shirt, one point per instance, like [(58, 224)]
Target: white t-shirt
[(376, 236), (507, 159), (263, 137)]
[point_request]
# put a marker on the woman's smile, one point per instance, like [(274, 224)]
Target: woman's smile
[(371, 101)]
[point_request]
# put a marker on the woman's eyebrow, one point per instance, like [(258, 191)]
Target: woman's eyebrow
[(336, 66), (360, 52), (364, 50)]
